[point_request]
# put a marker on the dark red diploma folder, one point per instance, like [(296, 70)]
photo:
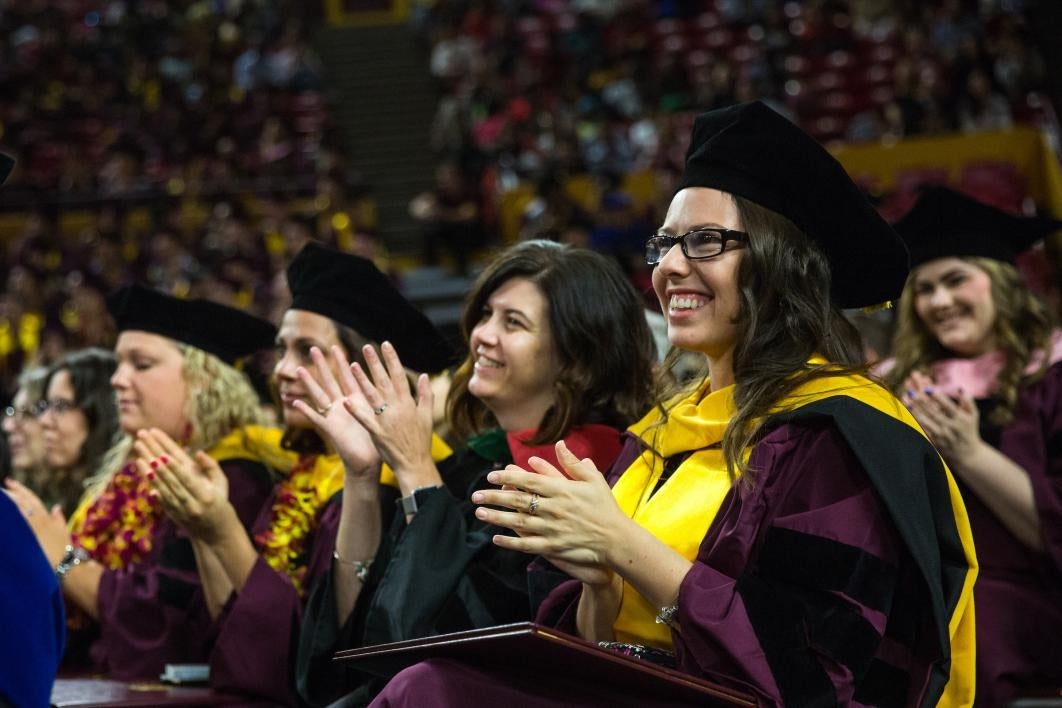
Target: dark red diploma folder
[(542, 649)]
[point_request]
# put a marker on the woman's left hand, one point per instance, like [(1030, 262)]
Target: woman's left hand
[(573, 521), (952, 425), (48, 526), (194, 492)]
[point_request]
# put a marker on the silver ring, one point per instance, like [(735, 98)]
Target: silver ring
[(28, 511), (324, 411), (533, 506), (380, 410)]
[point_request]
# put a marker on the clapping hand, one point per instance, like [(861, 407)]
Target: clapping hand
[(572, 520), (400, 426), (48, 526), (193, 490), (330, 412), (952, 425)]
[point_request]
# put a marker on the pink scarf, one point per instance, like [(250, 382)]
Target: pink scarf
[(978, 376)]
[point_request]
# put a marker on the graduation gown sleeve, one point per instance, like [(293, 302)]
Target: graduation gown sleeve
[(153, 613), (258, 628), (806, 590)]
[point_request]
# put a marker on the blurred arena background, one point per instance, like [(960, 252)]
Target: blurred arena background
[(196, 145)]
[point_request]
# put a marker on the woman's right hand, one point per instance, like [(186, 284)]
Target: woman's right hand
[(330, 415), (400, 426)]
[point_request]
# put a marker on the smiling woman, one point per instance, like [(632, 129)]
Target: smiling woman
[(760, 530), (979, 364), (78, 422), (558, 348)]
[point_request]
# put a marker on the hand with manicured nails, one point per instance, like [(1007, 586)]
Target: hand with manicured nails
[(577, 523), (330, 413), (952, 426), (48, 526), (194, 491), (400, 425)]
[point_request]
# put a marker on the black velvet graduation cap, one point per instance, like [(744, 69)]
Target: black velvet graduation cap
[(352, 291), (227, 333), (945, 223), (6, 165), (751, 151)]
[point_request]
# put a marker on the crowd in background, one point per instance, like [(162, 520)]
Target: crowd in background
[(188, 145), (540, 91)]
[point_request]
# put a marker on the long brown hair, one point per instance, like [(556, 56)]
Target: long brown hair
[(1022, 326), (785, 317), (603, 345)]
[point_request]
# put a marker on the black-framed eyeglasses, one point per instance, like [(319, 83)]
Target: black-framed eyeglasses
[(58, 406), (696, 245), (24, 413)]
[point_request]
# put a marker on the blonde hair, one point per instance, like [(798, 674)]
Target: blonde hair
[(1022, 326), (220, 399)]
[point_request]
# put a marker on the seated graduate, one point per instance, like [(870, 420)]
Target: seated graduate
[(79, 421), (21, 424), (125, 568), (558, 348), (979, 363), (783, 526), (338, 300)]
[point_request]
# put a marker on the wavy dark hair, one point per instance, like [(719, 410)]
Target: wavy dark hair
[(307, 441), (785, 317), (90, 373), (1022, 327), (601, 338)]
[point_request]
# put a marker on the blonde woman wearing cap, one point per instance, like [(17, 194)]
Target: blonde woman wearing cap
[(760, 530), (979, 363), (338, 300), (128, 575)]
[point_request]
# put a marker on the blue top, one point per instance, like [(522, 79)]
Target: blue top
[(31, 613)]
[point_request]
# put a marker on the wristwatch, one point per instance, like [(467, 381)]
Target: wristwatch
[(73, 556), (411, 504)]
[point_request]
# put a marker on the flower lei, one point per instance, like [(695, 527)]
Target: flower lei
[(299, 498), (117, 525)]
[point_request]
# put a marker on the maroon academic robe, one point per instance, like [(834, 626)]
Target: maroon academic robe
[(805, 590), (153, 612), (259, 626), (1019, 591)]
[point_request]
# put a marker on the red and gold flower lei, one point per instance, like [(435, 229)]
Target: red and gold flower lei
[(116, 527), (310, 484)]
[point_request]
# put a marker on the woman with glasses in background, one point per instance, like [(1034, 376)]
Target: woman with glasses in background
[(21, 425), (79, 421)]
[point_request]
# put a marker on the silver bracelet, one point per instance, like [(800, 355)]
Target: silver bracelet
[(361, 568), (666, 615), (73, 556)]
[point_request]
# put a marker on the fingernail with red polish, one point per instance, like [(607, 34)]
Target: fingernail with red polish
[(151, 475), (165, 460), (154, 464)]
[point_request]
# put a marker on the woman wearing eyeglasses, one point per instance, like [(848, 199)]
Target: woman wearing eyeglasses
[(22, 427), (79, 421), (782, 526)]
